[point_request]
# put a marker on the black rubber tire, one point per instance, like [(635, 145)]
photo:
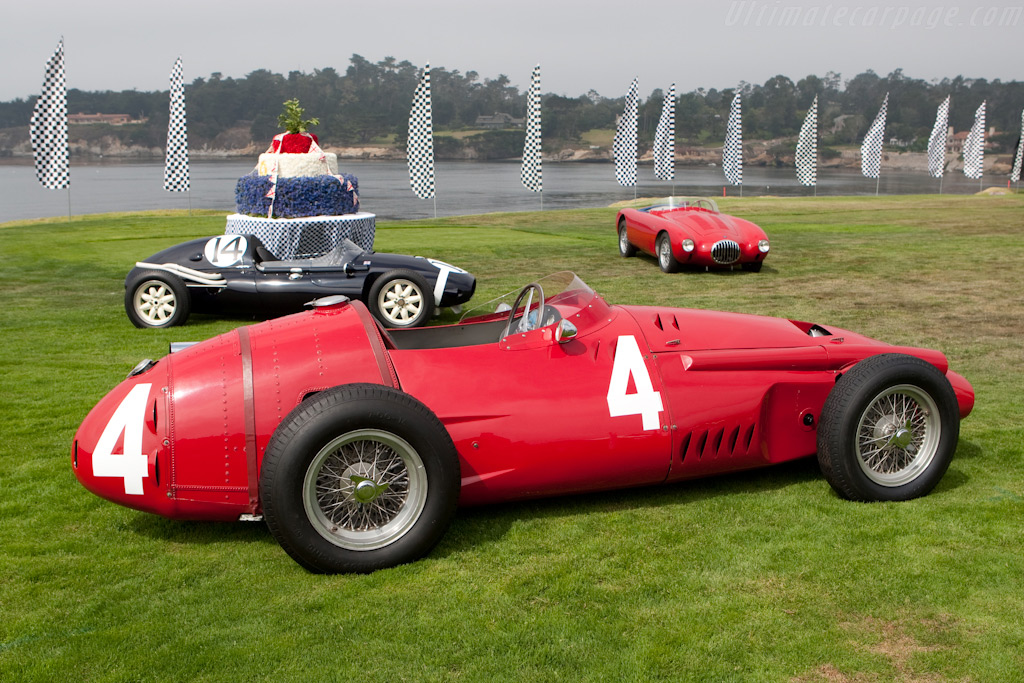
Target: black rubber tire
[(397, 277), (919, 384), (663, 251), (147, 284), (625, 248), (300, 451), (754, 266)]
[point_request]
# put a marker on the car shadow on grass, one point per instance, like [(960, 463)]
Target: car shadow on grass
[(686, 269), (199, 533), (487, 524), (480, 526), (484, 525)]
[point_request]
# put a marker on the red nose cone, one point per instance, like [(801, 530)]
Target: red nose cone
[(117, 449)]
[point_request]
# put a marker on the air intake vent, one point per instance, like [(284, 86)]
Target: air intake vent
[(725, 252), (723, 442)]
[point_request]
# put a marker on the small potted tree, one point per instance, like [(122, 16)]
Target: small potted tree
[(296, 139)]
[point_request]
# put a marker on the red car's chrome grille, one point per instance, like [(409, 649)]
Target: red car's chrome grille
[(725, 252)]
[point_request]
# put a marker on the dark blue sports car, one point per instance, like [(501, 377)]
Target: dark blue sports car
[(236, 275)]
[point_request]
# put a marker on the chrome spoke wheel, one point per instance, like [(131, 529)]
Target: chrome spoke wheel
[(898, 435), (365, 489), (155, 302), (666, 260)]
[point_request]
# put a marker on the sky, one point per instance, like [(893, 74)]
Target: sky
[(581, 45)]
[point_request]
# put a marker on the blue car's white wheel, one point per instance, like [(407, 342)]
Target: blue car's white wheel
[(401, 298), (156, 299)]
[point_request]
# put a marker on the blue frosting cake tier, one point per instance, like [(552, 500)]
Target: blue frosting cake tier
[(298, 197)]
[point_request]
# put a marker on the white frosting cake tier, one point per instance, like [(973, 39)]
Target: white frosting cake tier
[(299, 165)]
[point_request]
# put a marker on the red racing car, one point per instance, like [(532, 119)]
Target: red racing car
[(356, 443), (686, 231)]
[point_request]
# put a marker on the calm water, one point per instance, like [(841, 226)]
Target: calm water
[(462, 187)]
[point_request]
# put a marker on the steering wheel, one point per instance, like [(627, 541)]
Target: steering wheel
[(524, 322)]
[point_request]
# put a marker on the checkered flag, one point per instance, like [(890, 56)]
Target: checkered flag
[(665, 139), (176, 164), (871, 148), (974, 146), (624, 144), (532, 174), (807, 148), (732, 152), (420, 154), (48, 127), (937, 141), (1015, 173)]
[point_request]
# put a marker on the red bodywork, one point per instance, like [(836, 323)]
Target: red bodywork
[(706, 227), (530, 415)]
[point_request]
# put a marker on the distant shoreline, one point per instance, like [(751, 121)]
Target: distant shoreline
[(757, 153)]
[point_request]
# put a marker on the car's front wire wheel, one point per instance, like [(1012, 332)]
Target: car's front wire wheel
[(357, 478), (626, 249), (888, 429), (666, 260)]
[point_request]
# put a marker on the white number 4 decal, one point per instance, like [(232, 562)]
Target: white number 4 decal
[(646, 402), (130, 464)]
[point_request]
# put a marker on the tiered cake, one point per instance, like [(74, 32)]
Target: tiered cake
[(295, 201)]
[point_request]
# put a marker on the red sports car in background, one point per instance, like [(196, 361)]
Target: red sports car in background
[(686, 231), (356, 443)]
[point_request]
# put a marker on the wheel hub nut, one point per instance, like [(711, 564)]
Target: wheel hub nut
[(365, 491)]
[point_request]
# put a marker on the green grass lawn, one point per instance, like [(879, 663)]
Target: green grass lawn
[(764, 575)]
